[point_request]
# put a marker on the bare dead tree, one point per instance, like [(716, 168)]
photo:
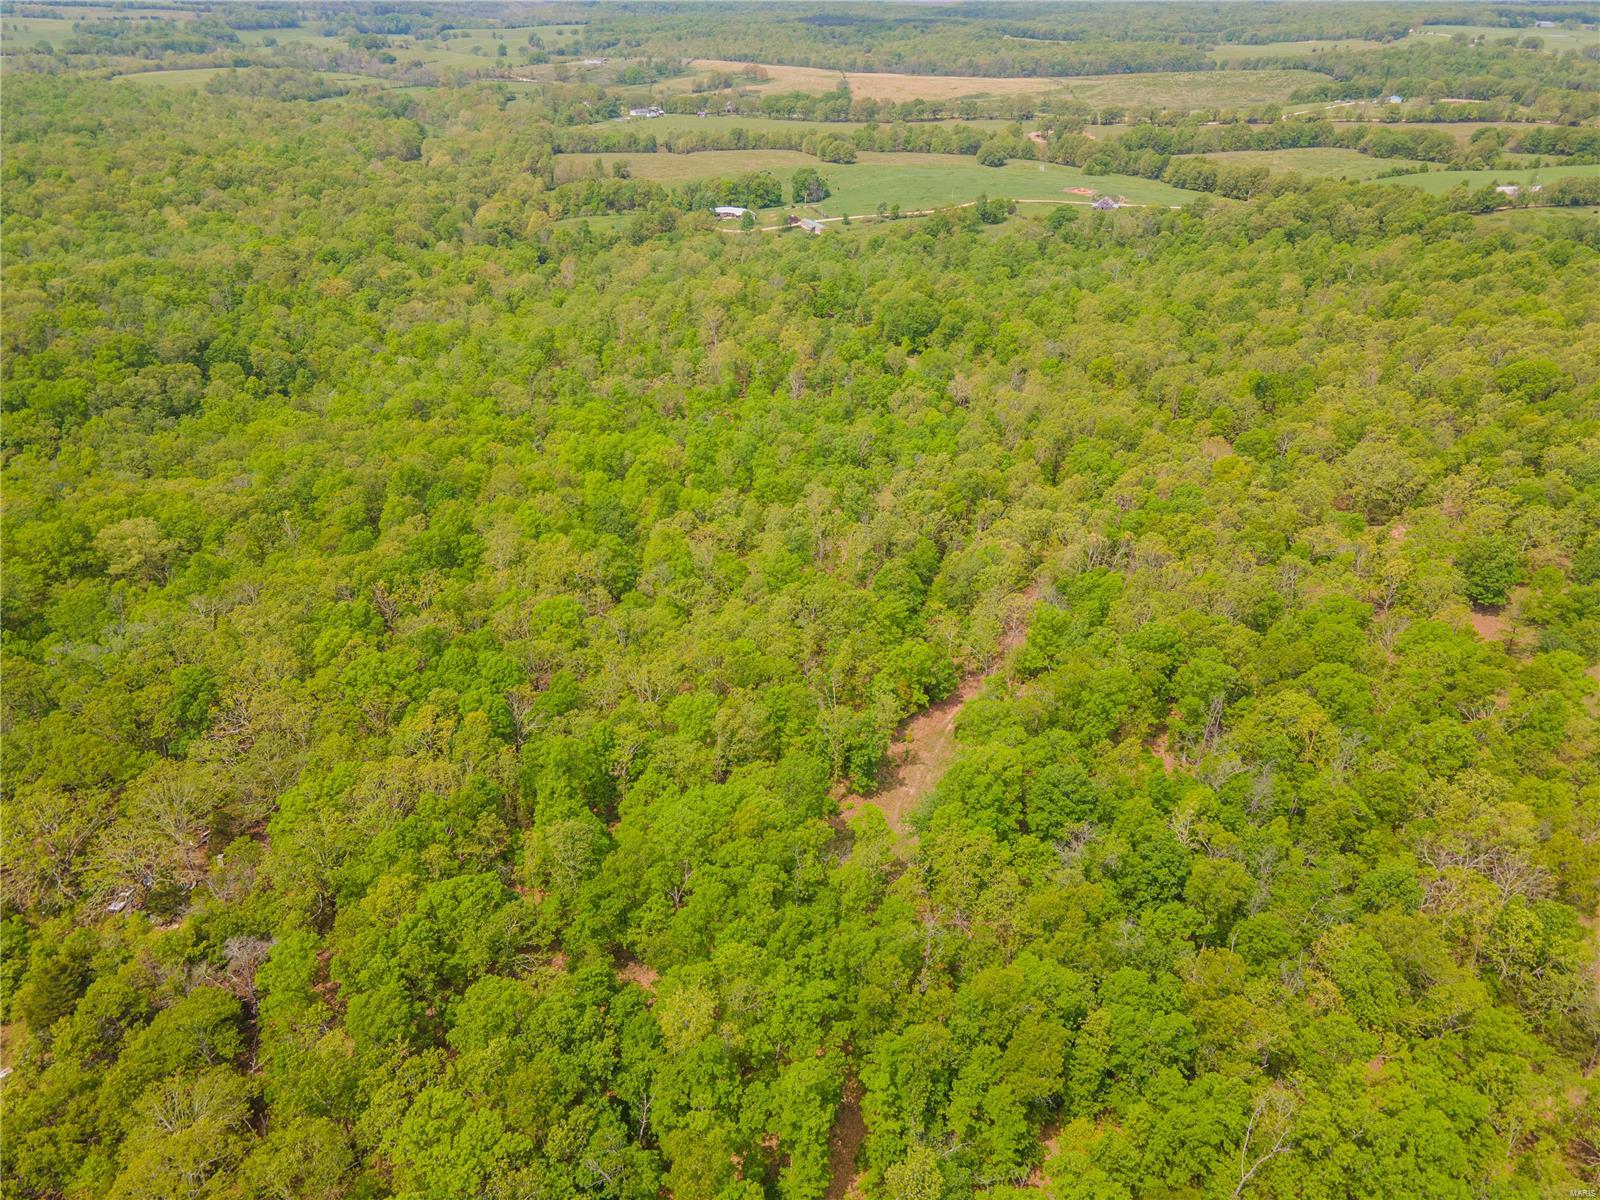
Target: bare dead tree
[(1274, 1104)]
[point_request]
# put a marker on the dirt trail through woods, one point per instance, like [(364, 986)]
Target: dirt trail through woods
[(925, 744), (844, 1143), (923, 749)]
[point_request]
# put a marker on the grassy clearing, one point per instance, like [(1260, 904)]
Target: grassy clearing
[(1439, 182), (1240, 53), (187, 77), (913, 181), (1556, 41), (1534, 218), (1322, 162), (24, 33)]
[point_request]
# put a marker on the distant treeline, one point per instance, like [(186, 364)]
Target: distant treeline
[(640, 139), (282, 83), (841, 105)]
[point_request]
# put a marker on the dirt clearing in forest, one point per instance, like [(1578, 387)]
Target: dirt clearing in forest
[(925, 745), (1489, 624), (844, 1143)]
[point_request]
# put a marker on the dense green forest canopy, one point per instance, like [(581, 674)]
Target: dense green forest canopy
[(463, 622)]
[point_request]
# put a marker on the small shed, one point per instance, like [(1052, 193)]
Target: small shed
[(807, 224), (1395, 99), (1105, 204)]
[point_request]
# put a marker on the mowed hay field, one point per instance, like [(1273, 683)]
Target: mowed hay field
[(913, 181), (1439, 182), (1190, 89), (1164, 89), (878, 85), (1320, 162)]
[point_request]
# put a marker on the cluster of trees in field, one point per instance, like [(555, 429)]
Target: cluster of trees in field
[(436, 639), (145, 37), (284, 83)]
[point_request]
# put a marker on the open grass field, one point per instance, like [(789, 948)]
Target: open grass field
[(1189, 89), (1234, 53), (913, 181), (1534, 218), (1165, 89), (188, 77), (1319, 162), (1439, 182), (24, 33), (1556, 41)]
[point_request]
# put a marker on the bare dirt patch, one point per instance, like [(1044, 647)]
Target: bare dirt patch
[(1490, 624), (1160, 747), (925, 744), (1039, 1177), (844, 1143), (633, 971), (921, 753)]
